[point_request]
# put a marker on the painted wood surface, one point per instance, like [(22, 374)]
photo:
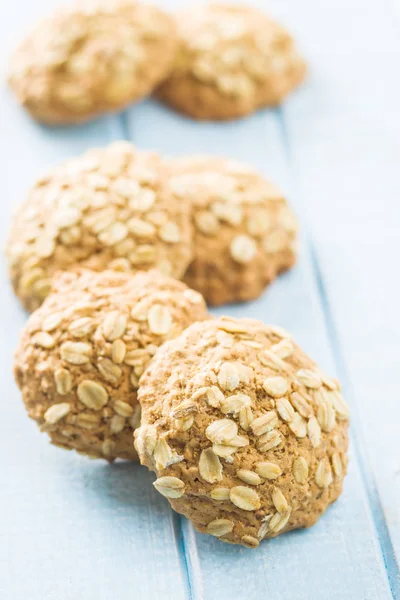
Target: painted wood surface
[(76, 529)]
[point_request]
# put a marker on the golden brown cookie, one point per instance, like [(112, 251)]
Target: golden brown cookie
[(246, 435), (83, 351), (92, 57), (109, 208), (245, 233), (232, 61)]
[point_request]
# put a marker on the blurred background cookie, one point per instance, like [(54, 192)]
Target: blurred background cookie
[(232, 60), (83, 351), (109, 208), (247, 437), (92, 57), (244, 231)]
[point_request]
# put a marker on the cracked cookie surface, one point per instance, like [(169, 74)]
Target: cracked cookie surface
[(83, 351), (247, 436)]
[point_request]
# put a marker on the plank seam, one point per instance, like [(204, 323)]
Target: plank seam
[(125, 124), (366, 471), (193, 569), (180, 544)]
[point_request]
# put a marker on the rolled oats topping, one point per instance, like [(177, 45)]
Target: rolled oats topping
[(235, 212), (249, 477), (210, 468), (268, 470), (279, 501), (264, 451), (244, 498), (221, 431), (89, 58), (232, 60), (82, 388), (300, 469), (87, 214), (92, 394), (228, 377), (56, 412), (170, 487), (220, 493), (220, 527)]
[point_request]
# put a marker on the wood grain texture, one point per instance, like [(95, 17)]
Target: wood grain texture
[(76, 529)]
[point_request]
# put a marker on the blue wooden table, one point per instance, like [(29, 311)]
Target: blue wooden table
[(75, 529)]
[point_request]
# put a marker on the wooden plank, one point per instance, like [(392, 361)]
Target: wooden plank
[(344, 541), (351, 139), (70, 528)]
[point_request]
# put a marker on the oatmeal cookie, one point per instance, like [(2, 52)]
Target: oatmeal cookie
[(232, 60), (247, 436), (83, 351), (244, 231), (109, 208), (92, 57)]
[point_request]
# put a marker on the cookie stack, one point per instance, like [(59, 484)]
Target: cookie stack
[(116, 253)]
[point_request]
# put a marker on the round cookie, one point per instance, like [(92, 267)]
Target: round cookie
[(232, 60), (247, 437), (244, 231), (92, 57), (109, 208), (83, 351)]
